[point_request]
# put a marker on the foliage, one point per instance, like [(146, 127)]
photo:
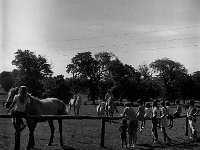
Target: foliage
[(169, 72), (8, 79), (195, 77), (56, 87), (32, 70), (90, 70)]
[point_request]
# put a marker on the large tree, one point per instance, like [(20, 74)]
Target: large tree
[(169, 72), (94, 71), (85, 67), (32, 70)]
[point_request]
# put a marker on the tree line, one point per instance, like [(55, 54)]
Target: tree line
[(95, 74)]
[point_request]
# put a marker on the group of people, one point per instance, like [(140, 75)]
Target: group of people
[(161, 117)]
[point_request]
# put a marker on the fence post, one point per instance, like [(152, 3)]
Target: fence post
[(186, 126), (102, 132)]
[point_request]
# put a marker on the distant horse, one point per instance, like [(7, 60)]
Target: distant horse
[(76, 104), (48, 106), (111, 107), (101, 109)]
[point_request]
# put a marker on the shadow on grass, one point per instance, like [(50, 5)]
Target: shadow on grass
[(187, 144), (67, 148)]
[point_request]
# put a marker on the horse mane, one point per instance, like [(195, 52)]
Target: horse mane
[(33, 97)]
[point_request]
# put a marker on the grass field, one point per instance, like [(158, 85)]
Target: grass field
[(86, 134)]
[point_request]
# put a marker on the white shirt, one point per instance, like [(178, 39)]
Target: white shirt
[(156, 112), (148, 112), (21, 107)]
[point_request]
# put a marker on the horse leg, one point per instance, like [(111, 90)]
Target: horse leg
[(31, 142), (52, 128), (60, 130), (75, 111), (78, 108)]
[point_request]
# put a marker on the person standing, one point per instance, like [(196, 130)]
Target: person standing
[(164, 121), (191, 114), (155, 121), (130, 114), (140, 113), (108, 94), (178, 109), (170, 114), (20, 100), (123, 130), (148, 113)]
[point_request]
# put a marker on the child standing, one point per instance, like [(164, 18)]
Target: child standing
[(123, 129), (140, 113), (164, 121), (170, 114), (191, 114), (148, 113), (178, 109), (155, 121)]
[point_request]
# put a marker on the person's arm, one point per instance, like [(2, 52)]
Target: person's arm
[(124, 113), (120, 129), (197, 111), (137, 110), (162, 114), (11, 106)]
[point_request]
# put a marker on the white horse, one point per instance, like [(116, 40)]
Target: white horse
[(76, 104), (101, 109), (49, 106), (111, 107)]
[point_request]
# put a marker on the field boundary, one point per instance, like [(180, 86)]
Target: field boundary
[(62, 117)]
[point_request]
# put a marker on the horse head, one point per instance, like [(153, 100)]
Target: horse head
[(11, 94)]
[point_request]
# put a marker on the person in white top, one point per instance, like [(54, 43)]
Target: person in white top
[(148, 113), (191, 114), (155, 121), (20, 101), (130, 114), (169, 114), (164, 121)]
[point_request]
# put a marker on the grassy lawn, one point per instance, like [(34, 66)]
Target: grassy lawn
[(86, 134)]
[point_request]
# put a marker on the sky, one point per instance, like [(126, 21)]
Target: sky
[(136, 31)]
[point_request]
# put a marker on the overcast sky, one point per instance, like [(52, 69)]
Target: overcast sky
[(136, 31)]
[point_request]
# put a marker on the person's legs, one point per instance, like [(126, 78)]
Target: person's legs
[(130, 135), (122, 142), (134, 137), (165, 135), (126, 142), (155, 133), (192, 124)]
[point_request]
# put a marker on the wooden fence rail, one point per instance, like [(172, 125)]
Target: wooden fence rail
[(58, 117), (103, 120)]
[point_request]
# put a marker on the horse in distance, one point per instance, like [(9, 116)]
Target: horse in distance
[(111, 107), (48, 106)]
